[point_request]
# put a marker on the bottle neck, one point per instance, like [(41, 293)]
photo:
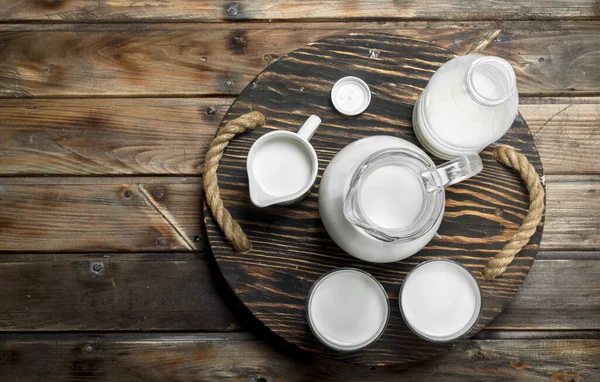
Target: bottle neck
[(491, 81)]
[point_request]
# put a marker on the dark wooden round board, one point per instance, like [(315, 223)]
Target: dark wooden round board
[(291, 248)]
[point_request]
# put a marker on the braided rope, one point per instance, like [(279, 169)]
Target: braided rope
[(231, 228), (510, 157)]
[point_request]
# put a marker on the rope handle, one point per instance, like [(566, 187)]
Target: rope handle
[(241, 244), (510, 157), (231, 228)]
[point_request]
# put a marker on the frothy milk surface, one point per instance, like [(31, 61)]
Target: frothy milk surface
[(348, 308), (440, 299), (282, 166), (392, 196), (485, 86)]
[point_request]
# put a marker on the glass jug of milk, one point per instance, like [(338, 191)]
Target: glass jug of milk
[(469, 103), (397, 195), (382, 199)]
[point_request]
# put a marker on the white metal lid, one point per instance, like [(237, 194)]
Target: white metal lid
[(350, 95)]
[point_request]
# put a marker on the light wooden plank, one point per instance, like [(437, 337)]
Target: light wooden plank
[(572, 219), (567, 135), (184, 292), (201, 59), (234, 357), (107, 136), (298, 10), (99, 217), (572, 206), (170, 136), (79, 218)]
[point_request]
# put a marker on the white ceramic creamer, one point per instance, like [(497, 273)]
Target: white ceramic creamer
[(282, 166)]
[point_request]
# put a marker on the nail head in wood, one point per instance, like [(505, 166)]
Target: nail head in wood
[(232, 9)]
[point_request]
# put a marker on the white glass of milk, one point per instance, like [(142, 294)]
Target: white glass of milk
[(397, 195), (469, 103), (347, 309), (440, 300)]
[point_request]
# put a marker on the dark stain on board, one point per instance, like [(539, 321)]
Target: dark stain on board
[(237, 41), (9, 357), (53, 4)]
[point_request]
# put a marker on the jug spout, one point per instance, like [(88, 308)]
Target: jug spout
[(258, 196)]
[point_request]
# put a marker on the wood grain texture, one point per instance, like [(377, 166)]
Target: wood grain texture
[(297, 10), (181, 292), (107, 136), (550, 58), (567, 136), (78, 218), (291, 248), (571, 223), (170, 136), (554, 294), (105, 292), (576, 211), (238, 357)]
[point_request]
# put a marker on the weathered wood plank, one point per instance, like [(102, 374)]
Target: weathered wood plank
[(200, 59), (567, 135), (239, 357), (293, 10), (572, 213), (107, 136), (545, 301), (99, 217), (183, 292), (571, 223), (79, 218), (169, 136), (104, 292)]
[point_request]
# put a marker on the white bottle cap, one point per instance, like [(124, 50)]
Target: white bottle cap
[(350, 96)]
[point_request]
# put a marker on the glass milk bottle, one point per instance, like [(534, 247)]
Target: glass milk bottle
[(469, 103)]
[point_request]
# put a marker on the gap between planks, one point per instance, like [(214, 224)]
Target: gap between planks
[(175, 336), (205, 255), (195, 179)]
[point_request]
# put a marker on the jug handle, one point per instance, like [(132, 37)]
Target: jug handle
[(309, 127), (459, 169)]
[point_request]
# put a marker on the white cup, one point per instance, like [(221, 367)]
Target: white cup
[(347, 309), (282, 166), (440, 300)]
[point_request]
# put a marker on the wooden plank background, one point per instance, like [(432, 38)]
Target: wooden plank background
[(106, 110)]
